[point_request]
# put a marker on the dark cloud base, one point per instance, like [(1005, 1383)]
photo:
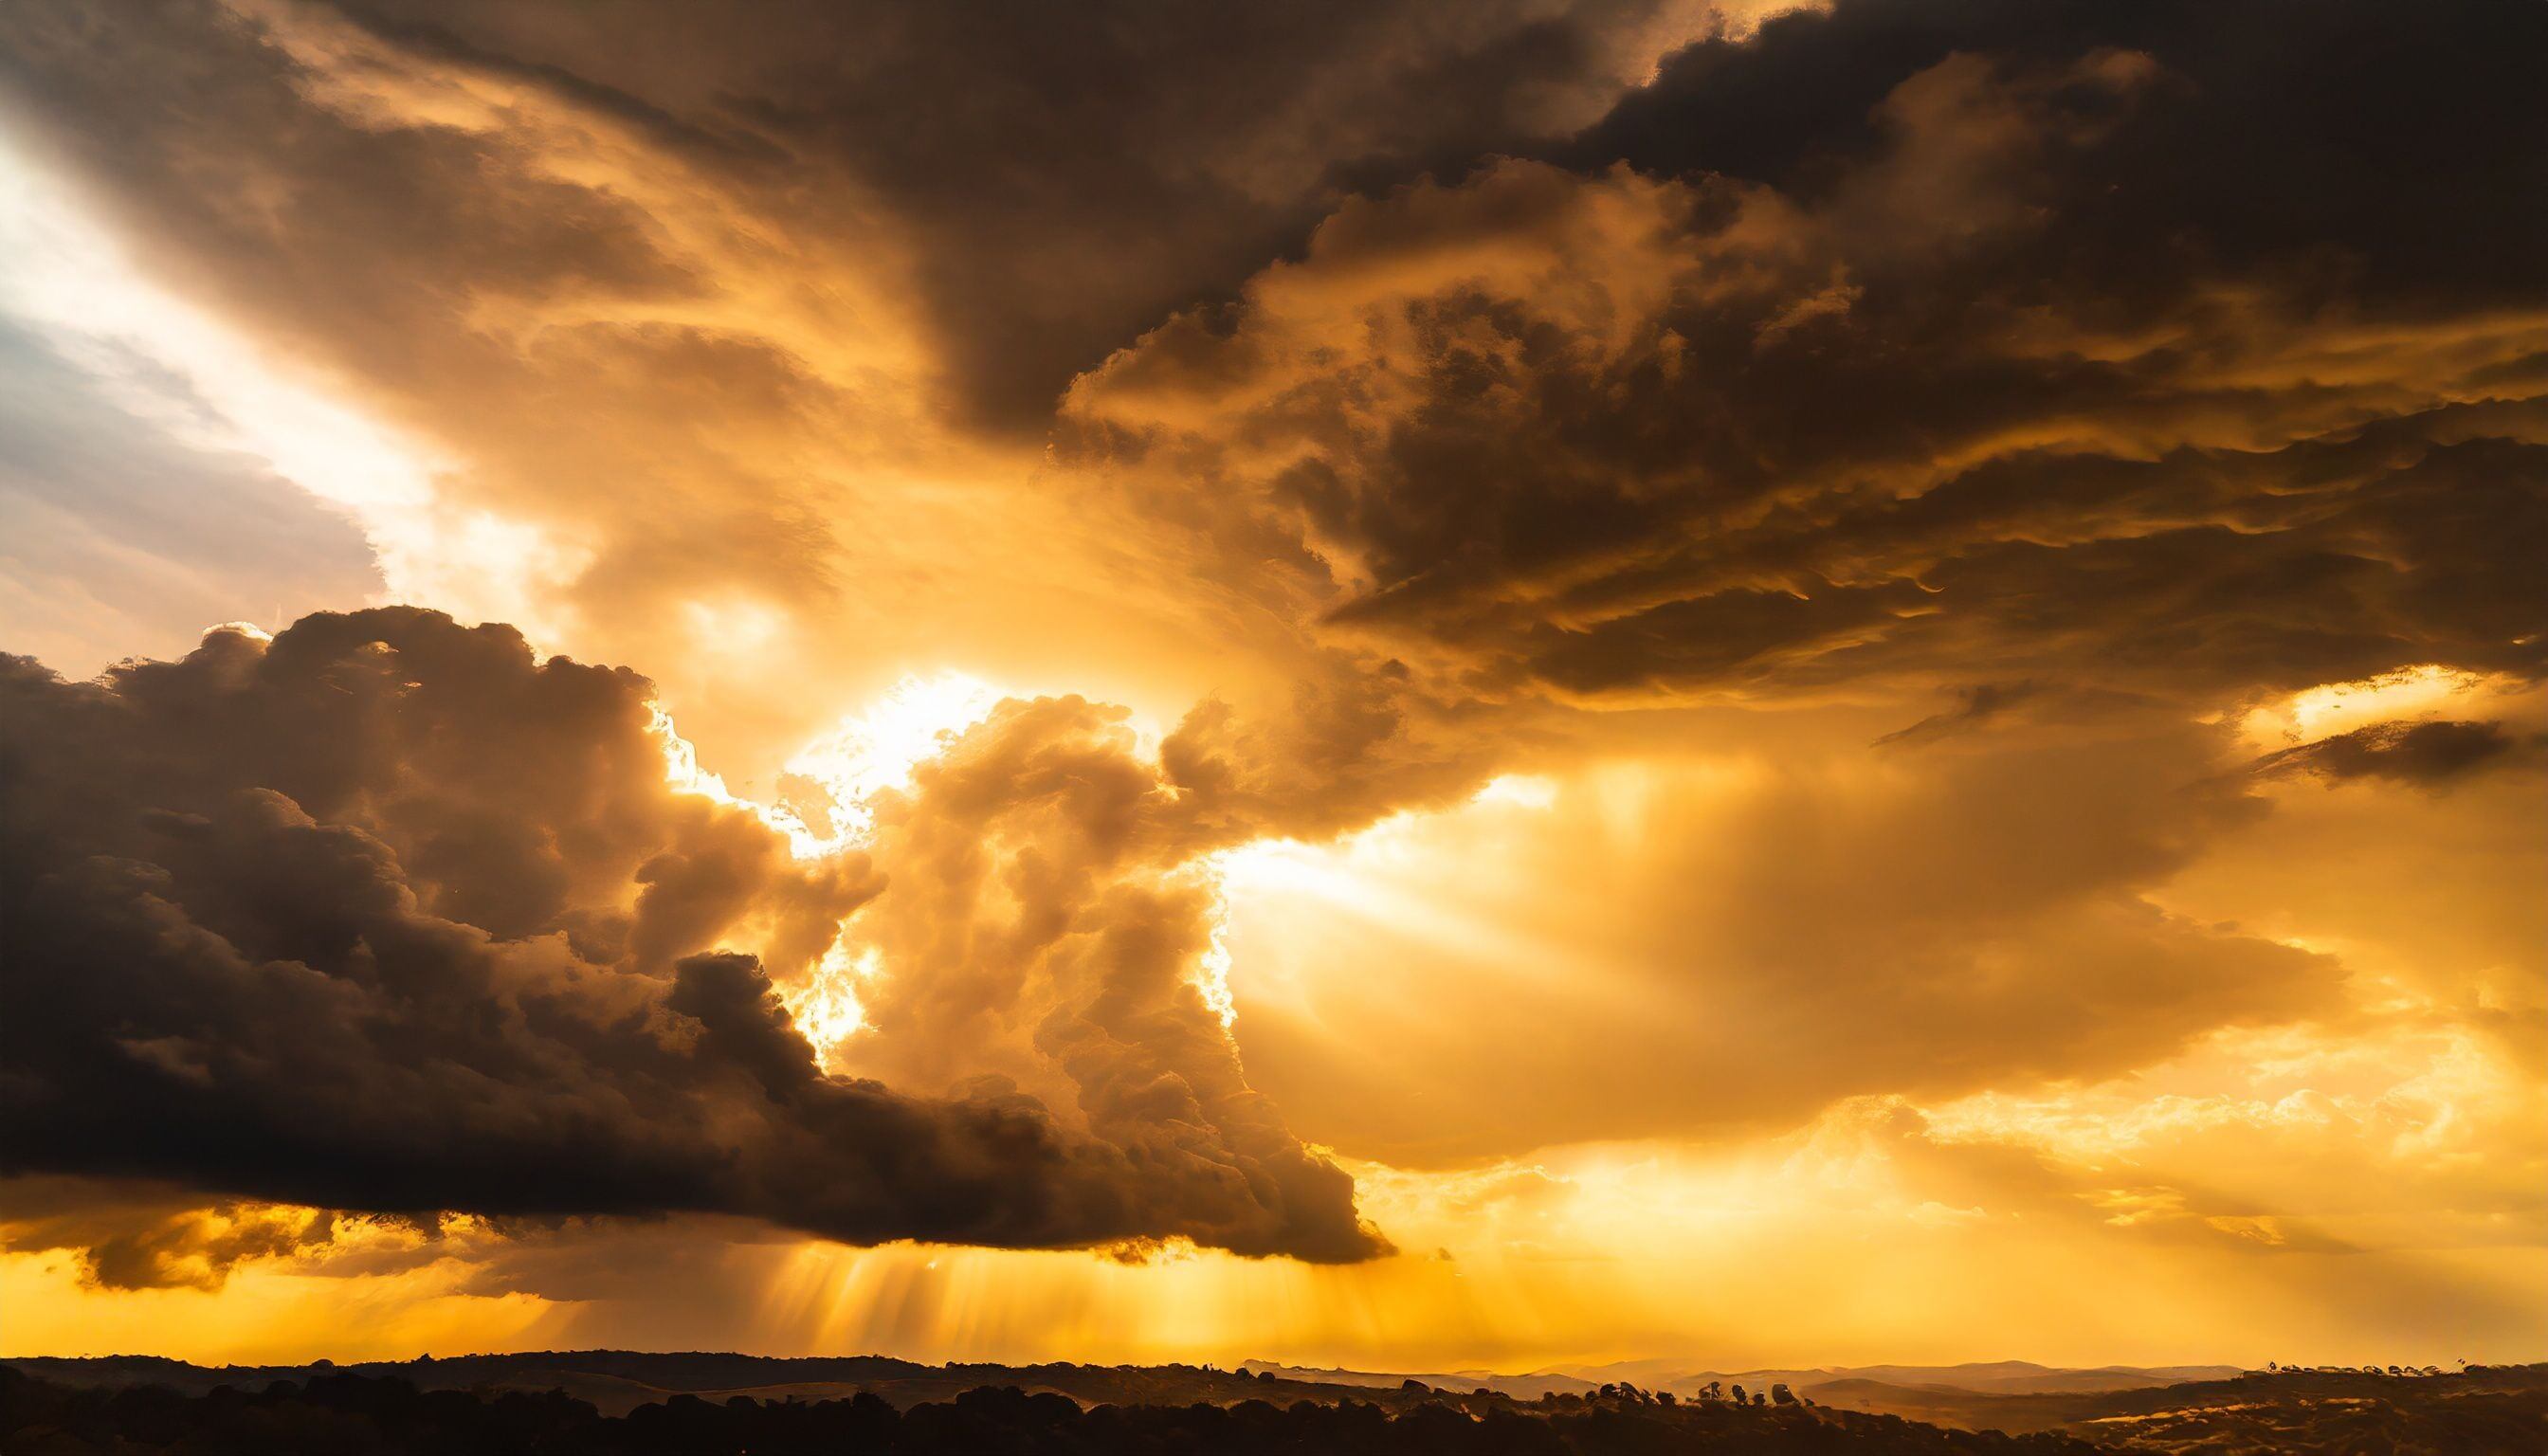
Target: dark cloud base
[(2430, 754)]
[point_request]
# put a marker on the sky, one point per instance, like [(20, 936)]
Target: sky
[(1409, 685)]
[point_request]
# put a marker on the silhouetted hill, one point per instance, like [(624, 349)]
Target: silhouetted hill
[(1521, 1387), (600, 1402), (2254, 1411), (2011, 1377), (350, 1415), (616, 1382), (2021, 1377)]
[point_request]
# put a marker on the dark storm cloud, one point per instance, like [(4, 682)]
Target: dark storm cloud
[(702, 301), (1072, 173), (2167, 345), (2429, 754), (2353, 139), (2204, 570), (388, 915), (1909, 333), (1064, 176), (362, 240)]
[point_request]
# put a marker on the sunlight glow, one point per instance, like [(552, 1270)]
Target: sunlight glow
[(1528, 790), (870, 753), (682, 770), (71, 276), (825, 810), (73, 281), (875, 750), (1212, 969), (826, 1007), (2332, 708), (1578, 760)]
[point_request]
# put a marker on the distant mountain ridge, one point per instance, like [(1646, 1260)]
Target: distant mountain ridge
[(1998, 1377)]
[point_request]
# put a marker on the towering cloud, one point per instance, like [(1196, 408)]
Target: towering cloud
[(388, 915)]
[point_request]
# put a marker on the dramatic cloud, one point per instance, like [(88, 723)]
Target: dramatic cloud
[(2006, 370), (388, 915), (1853, 655), (743, 331), (137, 1236), (1064, 179)]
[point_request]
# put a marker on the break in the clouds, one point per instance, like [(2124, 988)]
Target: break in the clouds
[(120, 522), (1843, 594)]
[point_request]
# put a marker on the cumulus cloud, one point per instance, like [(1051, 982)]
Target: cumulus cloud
[(1048, 928), (387, 914)]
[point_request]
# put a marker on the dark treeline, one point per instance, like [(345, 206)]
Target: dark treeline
[(361, 1415)]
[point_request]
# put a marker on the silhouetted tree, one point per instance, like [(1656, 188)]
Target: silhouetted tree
[(335, 1414)]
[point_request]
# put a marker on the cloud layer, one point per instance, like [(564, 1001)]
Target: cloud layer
[(1983, 366)]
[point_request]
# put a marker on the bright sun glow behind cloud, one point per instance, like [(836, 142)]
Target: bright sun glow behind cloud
[(72, 280), (2323, 711), (868, 753), (876, 749), (825, 808)]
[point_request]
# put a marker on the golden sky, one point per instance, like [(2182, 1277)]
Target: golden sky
[(1407, 684)]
